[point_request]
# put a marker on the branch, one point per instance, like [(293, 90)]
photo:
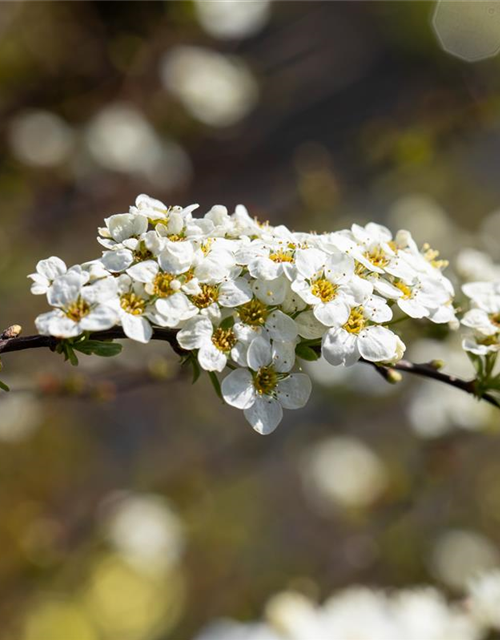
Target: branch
[(8, 345), (428, 370), (21, 343)]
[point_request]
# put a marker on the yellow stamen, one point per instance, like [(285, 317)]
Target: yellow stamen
[(265, 380), (495, 319), (377, 257), (324, 290), (356, 321), (254, 313), (161, 285), (78, 310), (431, 256), (142, 253), (281, 256), (132, 303), (206, 246), (405, 289), (224, 339), (209, 294)]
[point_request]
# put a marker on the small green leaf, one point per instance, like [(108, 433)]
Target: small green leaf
[(215, 383), (196, 368), (99, 348), (3, 386), (70, 355), (227, 323), (304, 351)]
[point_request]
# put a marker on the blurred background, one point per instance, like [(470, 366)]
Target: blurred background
[(136, 506)]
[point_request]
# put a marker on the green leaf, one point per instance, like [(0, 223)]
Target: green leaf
[(215, 383), (196, 369), (227, 323), (70, 355), (3, 386), (304, 351), (99, 348)]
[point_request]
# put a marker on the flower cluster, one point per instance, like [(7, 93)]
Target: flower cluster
[(366, 614), (249, 297), (483, 318)]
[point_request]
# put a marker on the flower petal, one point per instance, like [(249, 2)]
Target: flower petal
[(264, 415), (194, 333), (294, 391), (340, 347), (377, 344), (259, 353), (237, 389), (136, 328), (210, 358)]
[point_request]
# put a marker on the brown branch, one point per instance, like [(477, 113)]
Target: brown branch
[(430, 371), (426, 370)]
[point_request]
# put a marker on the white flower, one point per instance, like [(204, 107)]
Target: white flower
[(264, 390), (79, 307), (328, 284), (358, 338), (483, 318), (133, 308), (46, 272), (215, 344)]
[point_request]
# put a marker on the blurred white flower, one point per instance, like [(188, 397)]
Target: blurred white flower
[(40, 138), (468, 30), (484, 599), (217, 90), (458, 555), (435, 410), (474, 266), (120, 138), (226, 19), (145, 530), (426, 220), (21, 414), (357, 613), (343, 471)]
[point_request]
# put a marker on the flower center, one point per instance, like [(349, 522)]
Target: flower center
[(405, 290), (495, 319), (265, 380), (377, 257), (209, 294), (78, 310), (206, 246), (224, 339), (488, 341), (324, 290), (176, 237), (356, 321), (281, 256), (161, 285), (132, 303), (431, 256), (253, 313), (142, 253)]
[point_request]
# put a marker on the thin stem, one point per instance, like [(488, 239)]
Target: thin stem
[(21, 343)]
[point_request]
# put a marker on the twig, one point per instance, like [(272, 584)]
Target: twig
[(426, 370)]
